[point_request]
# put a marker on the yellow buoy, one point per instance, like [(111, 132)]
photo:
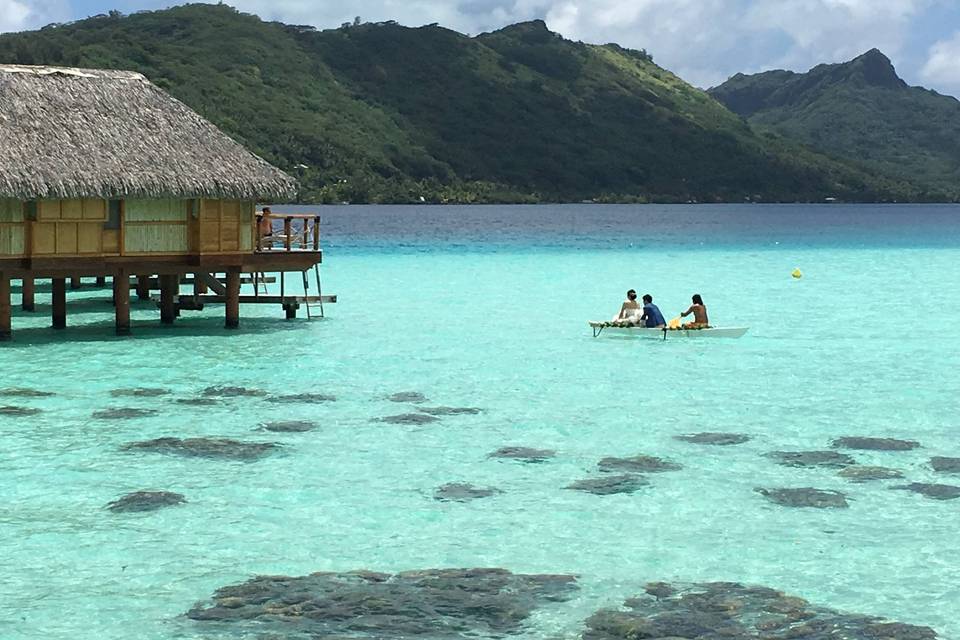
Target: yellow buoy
[(797, 273)]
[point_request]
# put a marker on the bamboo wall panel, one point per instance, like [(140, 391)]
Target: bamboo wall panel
[(11, 210), (71, 210), (95, 209), (44, 238), (48, 210), (89, 237), (156, 238), (67, 239), (11, 228), (161, 210), (226, 226), (111, 241), (11, 239), (230, 227), (156, 226)]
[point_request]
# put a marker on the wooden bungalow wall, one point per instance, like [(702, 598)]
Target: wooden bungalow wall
[(12, 235), (91, 227)]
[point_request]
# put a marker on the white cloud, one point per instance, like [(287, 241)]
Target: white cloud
[(943, 63), (13, 15), (19, 15)]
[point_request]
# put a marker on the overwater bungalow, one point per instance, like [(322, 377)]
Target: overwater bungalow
[(103, 174)]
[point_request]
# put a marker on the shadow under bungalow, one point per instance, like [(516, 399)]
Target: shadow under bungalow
[(102, 174)]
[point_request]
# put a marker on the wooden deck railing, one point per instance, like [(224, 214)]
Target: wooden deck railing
[(298, 232)]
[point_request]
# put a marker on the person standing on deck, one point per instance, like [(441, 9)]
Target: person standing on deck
[(699, 311), (652, 318)]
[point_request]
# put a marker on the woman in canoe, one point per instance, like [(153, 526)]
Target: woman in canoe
[(699, 311), (630, 310)]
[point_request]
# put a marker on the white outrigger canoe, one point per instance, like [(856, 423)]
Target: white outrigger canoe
[(627, 329)]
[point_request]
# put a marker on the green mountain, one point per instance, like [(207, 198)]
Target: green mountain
[(860, 111), (385, 113)]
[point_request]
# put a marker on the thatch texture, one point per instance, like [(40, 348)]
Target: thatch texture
[(71, 133)]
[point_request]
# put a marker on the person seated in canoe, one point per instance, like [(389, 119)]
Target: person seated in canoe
[(699, 311), (651, 318), (630, 309)]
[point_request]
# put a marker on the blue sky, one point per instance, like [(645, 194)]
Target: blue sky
[(704, 41)]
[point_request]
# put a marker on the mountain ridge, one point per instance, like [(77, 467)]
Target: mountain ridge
[(385, 113), (859, 111)]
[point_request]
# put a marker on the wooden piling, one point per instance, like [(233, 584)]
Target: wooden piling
[(59, 303), (199, 286), (169, 286), (28, 293), (233, 299), (76, 282), (102, 281), (121, 300), (143, 287), (5, 311)]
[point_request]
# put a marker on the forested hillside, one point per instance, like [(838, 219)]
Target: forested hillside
[(385, 113), (860, 111)]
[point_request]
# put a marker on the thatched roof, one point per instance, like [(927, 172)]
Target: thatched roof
[(71, 133)]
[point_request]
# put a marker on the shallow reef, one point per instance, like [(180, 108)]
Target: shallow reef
[(123, 413), (145, 501), (523, 454), (935, 491), (945, 465), (233, 392), (407, 396), (23, 392), (409, 418), (874, 444), (610, 485), (139, 392), (18, 412), (462, 492), (198, 402), (431, 604), (861, 473), (732, 611), (450, 411), (831, 459), (713, 438), (289, 426), (217, 448), (805, 497), (302, 398), (638, 464)]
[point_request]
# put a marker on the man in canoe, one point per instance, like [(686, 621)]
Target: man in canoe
[(651, 318), (699, 311)]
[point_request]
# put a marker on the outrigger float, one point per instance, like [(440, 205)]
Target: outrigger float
[(630, 329)]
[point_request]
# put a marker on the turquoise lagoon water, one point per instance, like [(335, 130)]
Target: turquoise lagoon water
[(487, 307)]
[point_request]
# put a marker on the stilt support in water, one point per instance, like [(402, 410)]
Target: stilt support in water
[(199, 285), (169, 285), (233, 299), (121, 301), (5, 311), (143, 287), (28, 292), (59, 303)]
